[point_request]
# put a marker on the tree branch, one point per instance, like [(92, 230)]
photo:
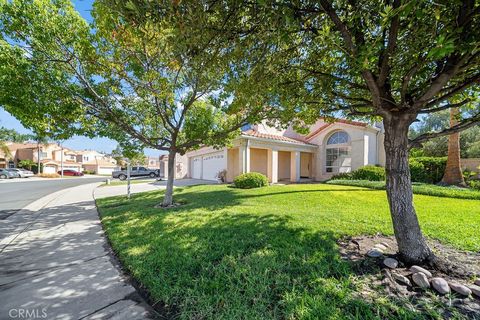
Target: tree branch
[(462, 125)]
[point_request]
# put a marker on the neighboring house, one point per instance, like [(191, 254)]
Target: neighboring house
[(181, 166), (285, 155), (153, 163), (50, 156), (97, 162)]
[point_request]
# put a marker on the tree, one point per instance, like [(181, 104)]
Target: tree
[(161, 83), (392, 60), (27, 164), (453, 170), (13, 136), (134, 157)]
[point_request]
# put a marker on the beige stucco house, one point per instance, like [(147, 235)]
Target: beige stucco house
[(285, 155), (96, 162)]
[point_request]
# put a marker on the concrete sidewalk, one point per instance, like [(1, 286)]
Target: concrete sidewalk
[(57, 265)]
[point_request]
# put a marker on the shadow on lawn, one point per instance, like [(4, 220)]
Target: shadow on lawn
[(219, 264)]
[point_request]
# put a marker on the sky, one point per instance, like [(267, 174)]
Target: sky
[(76, 142)]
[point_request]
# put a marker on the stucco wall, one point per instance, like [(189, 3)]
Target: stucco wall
[(259, 160), (283, 165)]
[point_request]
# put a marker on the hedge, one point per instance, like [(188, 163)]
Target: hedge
[(250, 180)]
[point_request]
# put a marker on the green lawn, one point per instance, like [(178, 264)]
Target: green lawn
[(267, 253)]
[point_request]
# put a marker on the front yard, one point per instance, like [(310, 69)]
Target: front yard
[(269, 252)]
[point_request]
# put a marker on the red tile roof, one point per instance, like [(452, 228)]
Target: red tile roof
[(328, 124), (256, 134)]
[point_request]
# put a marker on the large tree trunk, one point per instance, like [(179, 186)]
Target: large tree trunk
[(453, 171), (168, 199), (412, 246)]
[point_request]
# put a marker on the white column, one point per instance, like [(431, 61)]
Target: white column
[(244, 158), (295, 166), (272, 168)]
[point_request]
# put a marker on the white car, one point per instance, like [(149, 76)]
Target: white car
[(22, 173)]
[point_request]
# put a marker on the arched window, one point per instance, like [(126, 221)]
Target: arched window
[(338, 151)]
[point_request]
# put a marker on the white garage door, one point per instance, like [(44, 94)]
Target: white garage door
[(212, 164), (197, 168), (105, 170)]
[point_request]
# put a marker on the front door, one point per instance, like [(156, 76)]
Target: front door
[(305, 165)]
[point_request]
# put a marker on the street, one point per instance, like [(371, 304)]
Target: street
[(17, 194)]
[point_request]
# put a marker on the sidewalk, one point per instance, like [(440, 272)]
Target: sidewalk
[(57, 264)]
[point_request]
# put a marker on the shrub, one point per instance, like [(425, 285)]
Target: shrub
[(474, 184), (250, 180), (370, 173), (49, 175), (88, 171), (427, 169)]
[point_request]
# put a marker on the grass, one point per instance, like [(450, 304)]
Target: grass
[(124, 183), (418, 188), (267, 253)]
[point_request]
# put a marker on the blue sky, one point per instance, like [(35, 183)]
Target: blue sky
[(77, 142)]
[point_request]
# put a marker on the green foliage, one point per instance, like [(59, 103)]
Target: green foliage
[(427, 169), (27, 164), (269, 253), (418, 188), (13, 135), (88, 171), (250, 180), (474, 184), (370, 173)]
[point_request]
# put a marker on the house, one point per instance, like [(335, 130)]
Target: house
[(50, 156), (97, 162), (153, 162), (285, 155), (181, 166)]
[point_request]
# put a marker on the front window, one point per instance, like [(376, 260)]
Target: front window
[(338, 153)]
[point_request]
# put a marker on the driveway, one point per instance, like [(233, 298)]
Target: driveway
[(55, 263)]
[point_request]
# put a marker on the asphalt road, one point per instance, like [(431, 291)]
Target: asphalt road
[(16, 195)]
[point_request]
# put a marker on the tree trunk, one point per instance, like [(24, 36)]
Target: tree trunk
[(453, 171), (38, 160), (412, 246), (168, 199)]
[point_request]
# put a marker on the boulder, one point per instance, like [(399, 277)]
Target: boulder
[(421, 280), (440, 284), (477, 282), (475, 290), (375, 253), (391, 263), (401, 279), (460, 288), (415, 269)]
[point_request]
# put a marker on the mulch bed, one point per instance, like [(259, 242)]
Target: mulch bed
[(377, 281)]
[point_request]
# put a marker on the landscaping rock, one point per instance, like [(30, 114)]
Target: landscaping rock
[(477, 282), (391, 263), (421, 280), (375, 253), (380, 246), (460, 288), (441, 285), (475, 290), (415, 269), (401, 279)]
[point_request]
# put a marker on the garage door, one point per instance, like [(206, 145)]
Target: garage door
[(197, 168), (105, 170), (212, 164)]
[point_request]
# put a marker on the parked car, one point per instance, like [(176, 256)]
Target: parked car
[(68, 172), (22, 173), (5, 174), (136, 172)]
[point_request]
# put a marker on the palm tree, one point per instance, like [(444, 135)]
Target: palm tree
[(453, 171), (41, 140), (5, 150)]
